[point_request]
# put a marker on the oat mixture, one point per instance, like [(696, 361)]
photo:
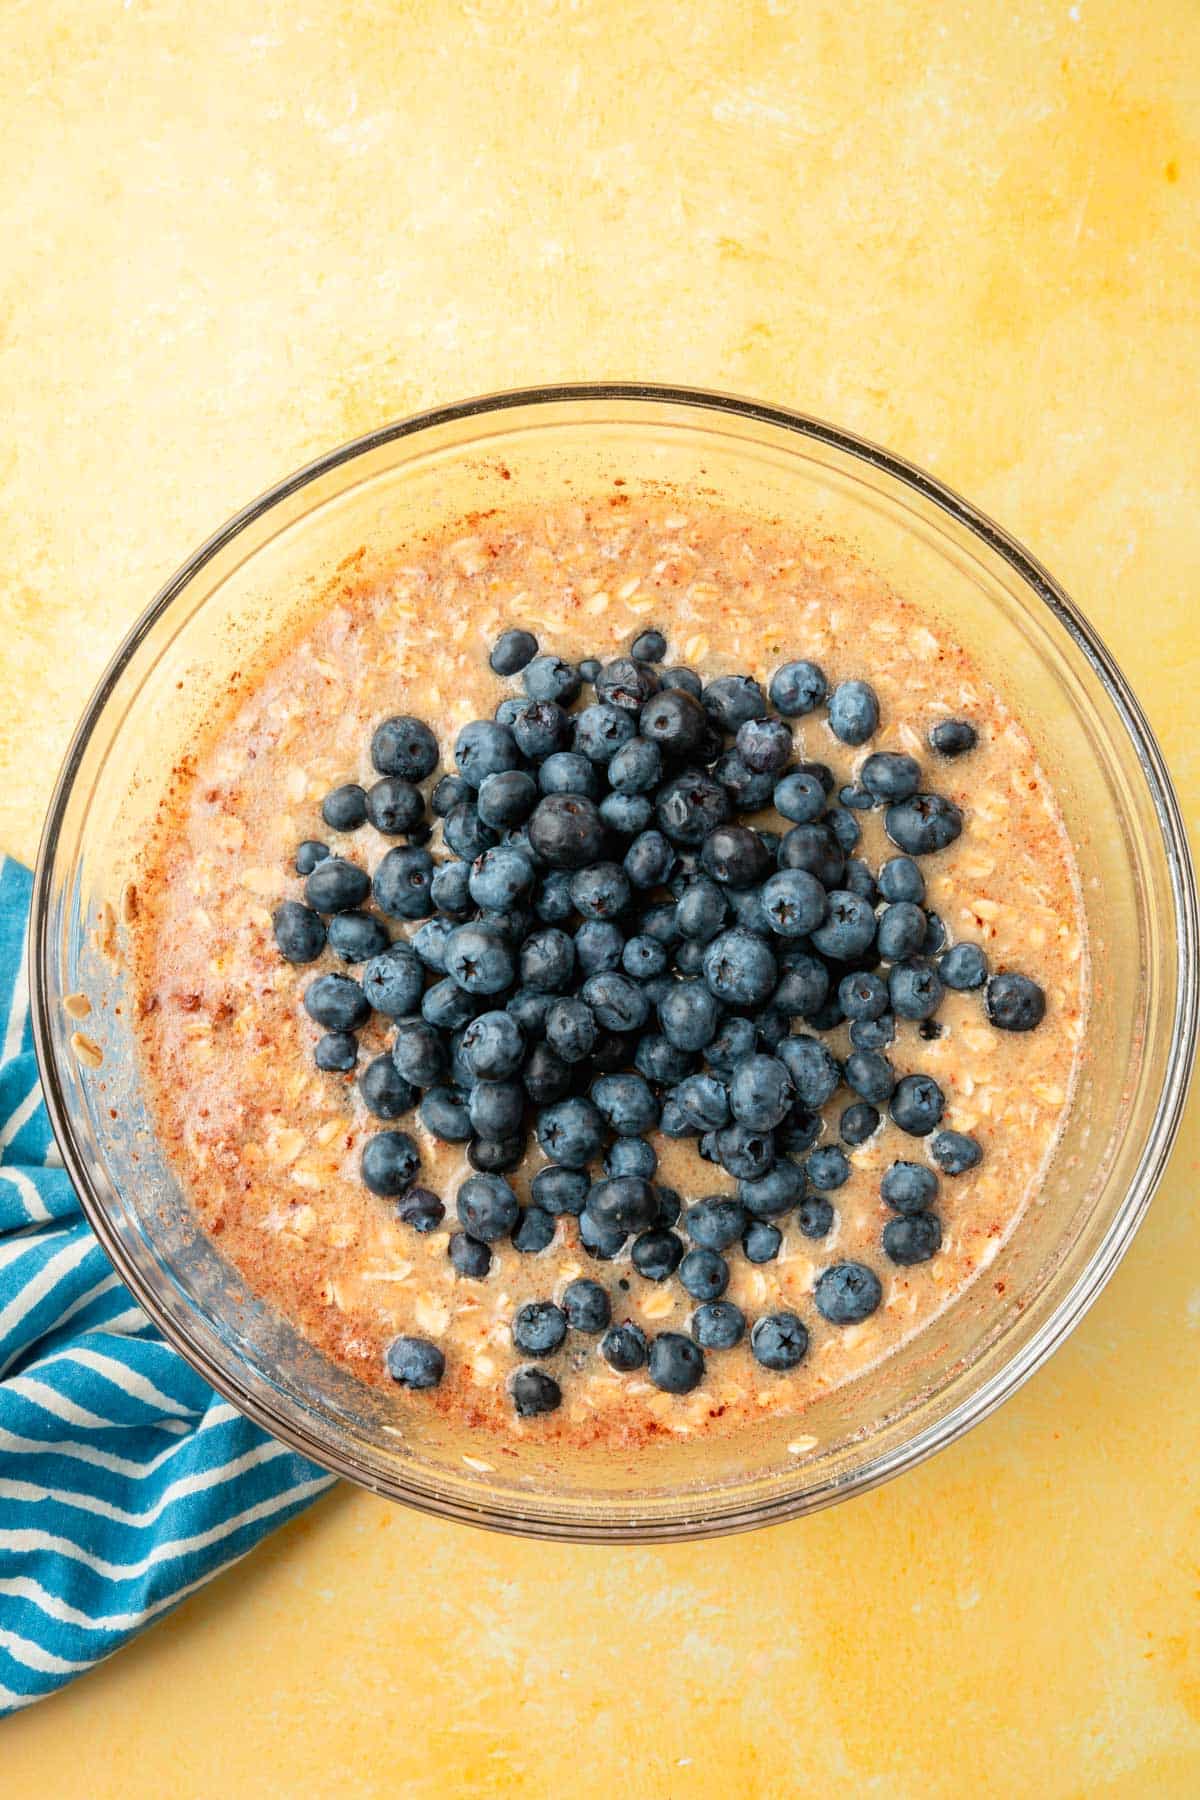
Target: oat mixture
[(268, 1147)]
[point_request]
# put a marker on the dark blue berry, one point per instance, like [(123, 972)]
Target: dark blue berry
[(469, 1258), (600, 730), (803, 985), (704, 1101), (749, 789), (685, 680), (414, 1362), (700, 910), (384, 1090), (659, 1060), (357, 936), (566, 830), (901, 930), (923, 824), (390, 1161), (1015, 1002), (309, 854), (798, 688), (912, 1239), (598, 947), (814, 1215), (828, 1168), (496, 1108), (512, 650), (732, 1044), (550, 678), (689, 1015), (862, 996), (917, 1104), (656, 1254), (571, 1132), (420, 1210), (764, 745), (493, 1046), (402, 883), (636, 767), (626, 684), (337, 1052), (953, 737), (618, 1003), (794, 902), (718, 1325), (853, 712), (735, 856), (704, 1274), (740, 968), (445, 1114), (631, 1156), (908, 1187), (336, 1002), (534, 1392), (890, 775), (601, 1241), (954, 1152), (870, 1075), (600, 891), (418, 1052), (345, 809), (336, 885), (587, 1306), (690, 806), (299, 932), (799, 1131), (623, 1347), (649, 860), (676, 1364), (626, 815), (465, 832), (814, 849), (447, 1006), (716, 1222), (649, 646), (541, 729), (779, 1341), (773, 1194), (799, 797), (558, 1190), (873, 1034), (487, 1207), (813, 1068), (744, 1152), (849, 926), (847, 1292), (858, 1123), (761, 1243), (673, 719), (626, 1102), (915, 989), (622, 1202), (539, 1328), (506, 799), (732, 699), (547, 1077), (479, 960), (404, 746), (760, 1092)]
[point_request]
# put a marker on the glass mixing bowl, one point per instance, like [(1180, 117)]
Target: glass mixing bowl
[(266, 563)]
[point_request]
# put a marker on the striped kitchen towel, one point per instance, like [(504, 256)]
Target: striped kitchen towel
[(125, 1482)]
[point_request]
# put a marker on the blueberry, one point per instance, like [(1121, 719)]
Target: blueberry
[(627, 1103), (465, 832), (622, 1202), (843, 827), (848, 1292), (336, 885), (923, 824), (539, 1328), (953, 737), (704, 1274), (631, 1156), (479, 960), (912, 1239), (649, 860), (540, 729), (794, 902), (414, 1362), (336, 1002), (690, 806), (299, 932), (357, 936), (760, 1092), (507, 710), (507, 798), (500, 878), (446, 1115), (750, 790), (626, 684), (429, 943), (858, 1123), (599, 947), (890, 775), (954, 1152), (849, 927), (534, 1392), (493, 1046), (626, 815), (675, 720), (744, 1152), (761, 1243), (685, 680), (863, 996), (828, 1168), (814, 849), (601, 1241), (734, 1042), (550, 678), (1015, 1003), (547, 1077), (873, 1034), (448, 1007), (571, 1132), (570, 1029), (623, 1347), (496, 1156), (618, 1003), (917, 1104), (700, 910), (402, 882), (674, 1122), (600, 731), (853, 712), (731, 700), (901, 879), (715, 1223), (496, 1108), (656, 1254), (775, 1193), (814, 1070), (637, 767), (566, 830), (901, 930), (345, 809), (659, 1060), (779, 1341), (964, 967), (703, 1100), (404, 746), (649, 646), (468, 1257), (309, 854), (908, 1187), (689, 1015), (814, 1215), (587, 1306), (799, 797), (870, 1075), (915, 989), (390, 1161), (642, 958), (739, 968), (735, 856), (558, 1190), (487, 1207), (552, 900), (858, 799), (718, 1325), (799, 1131), (676, 1364), (803, 986), (385, 1092), (512, 650), (336, 1053), (418, 1053), (600, 891), (420, 1209), (764, 745)]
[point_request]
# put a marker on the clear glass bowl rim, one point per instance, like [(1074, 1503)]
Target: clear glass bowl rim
[(1164, 1127)]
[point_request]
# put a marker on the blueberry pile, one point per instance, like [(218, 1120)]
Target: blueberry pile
[(606, 950)]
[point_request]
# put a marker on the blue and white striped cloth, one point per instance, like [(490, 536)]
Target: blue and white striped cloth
[(125, 1482)]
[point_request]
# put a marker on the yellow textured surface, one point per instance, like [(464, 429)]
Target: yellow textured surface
[(234, 235)]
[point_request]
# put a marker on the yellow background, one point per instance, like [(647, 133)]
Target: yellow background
[(232, 235)]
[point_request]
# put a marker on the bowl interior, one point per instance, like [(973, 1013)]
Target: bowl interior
[(367, 500)]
